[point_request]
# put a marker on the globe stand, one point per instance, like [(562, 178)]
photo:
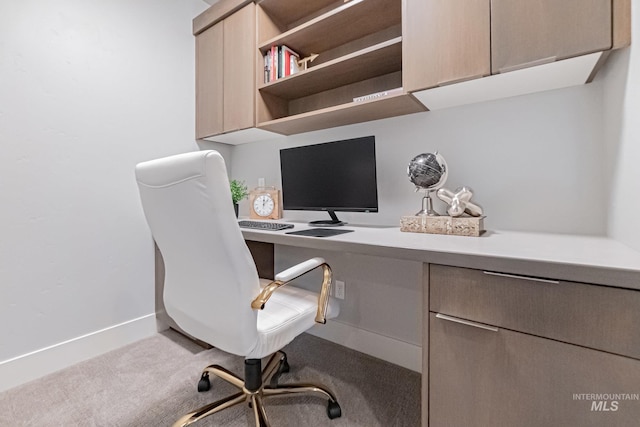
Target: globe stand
[(427, 206)]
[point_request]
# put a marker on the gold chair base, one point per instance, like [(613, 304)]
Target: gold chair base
[(255, 398)]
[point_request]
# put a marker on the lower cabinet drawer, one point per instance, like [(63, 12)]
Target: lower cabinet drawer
[(599, 317), (487, 376)]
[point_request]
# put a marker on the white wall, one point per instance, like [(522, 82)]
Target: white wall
[(533, 161), (621, 80), (88, 89)]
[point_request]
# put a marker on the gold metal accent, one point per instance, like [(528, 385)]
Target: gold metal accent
[(298, 388), (255, 397), (210, 409), (226, 375), (323, 299), (259, 412), (265, 294)]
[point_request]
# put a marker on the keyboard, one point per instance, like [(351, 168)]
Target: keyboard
[(259, 225)]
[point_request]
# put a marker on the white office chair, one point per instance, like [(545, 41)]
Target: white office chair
[(212, 289)]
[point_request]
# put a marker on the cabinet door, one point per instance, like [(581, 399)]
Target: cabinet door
[(531, 32), (444, 41), (209, 82), (239, 69), (480, 377)]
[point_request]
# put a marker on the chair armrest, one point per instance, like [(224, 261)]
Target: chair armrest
[(292, 273), (299, 269)]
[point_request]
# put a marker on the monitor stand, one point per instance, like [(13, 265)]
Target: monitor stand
[(333, 222)]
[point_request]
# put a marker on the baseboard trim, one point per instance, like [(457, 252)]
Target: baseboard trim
[(30, 366), (390, 349)]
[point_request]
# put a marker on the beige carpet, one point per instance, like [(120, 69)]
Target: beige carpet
[(153, 382)]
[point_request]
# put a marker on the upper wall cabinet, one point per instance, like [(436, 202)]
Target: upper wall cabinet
[(225, 74), (209, 82), (356, 75), (525, 33), (535, 45), (238, 65), (445, 42)]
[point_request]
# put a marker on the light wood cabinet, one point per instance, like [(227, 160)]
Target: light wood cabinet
[(225, 74), (239, 65), (535, 45), (514, 350), (445, 42), (374, 54), (482, 377), (209, 82), (525, 33)]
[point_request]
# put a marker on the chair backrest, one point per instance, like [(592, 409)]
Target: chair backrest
[(210, 276)]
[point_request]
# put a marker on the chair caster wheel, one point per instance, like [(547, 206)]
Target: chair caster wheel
[(204, 384), (284, 367), (333, 410)]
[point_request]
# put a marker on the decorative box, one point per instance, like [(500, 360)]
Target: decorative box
[(458, 226)]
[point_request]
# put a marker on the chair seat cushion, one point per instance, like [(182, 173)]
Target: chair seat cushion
[(289, 312)]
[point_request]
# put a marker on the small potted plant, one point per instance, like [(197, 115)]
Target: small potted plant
[(239, 191)]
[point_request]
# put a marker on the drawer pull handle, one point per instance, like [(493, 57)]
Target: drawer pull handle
[(513, 276), (465, 322)]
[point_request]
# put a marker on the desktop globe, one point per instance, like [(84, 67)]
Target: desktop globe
[(428, 172)]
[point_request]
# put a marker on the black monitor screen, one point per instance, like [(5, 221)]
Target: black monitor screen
[(334, 176)]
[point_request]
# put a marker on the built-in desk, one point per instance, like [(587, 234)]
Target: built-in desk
[(595, 260), (518, 328)]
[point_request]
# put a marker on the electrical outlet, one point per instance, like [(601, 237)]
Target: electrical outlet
[(340, 289)]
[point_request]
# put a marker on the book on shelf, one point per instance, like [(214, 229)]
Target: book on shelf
[(378, 95), (288, 58), (267, 67), (293, 63), (274, 62), (279, 62)]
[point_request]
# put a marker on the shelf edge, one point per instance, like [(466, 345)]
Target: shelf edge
[(396, 105)]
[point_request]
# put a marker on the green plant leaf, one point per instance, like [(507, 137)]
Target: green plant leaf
[(239, 190)]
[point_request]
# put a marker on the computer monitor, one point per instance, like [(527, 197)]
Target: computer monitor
[(332, 177)]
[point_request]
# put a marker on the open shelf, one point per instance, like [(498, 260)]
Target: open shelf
[(359, 43), (290, 12), (376, 60), (345, 114), (347, 22)]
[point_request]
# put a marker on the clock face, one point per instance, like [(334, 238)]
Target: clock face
[(263, 205)]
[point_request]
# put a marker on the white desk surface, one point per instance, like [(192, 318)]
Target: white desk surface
[(587, 259)]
